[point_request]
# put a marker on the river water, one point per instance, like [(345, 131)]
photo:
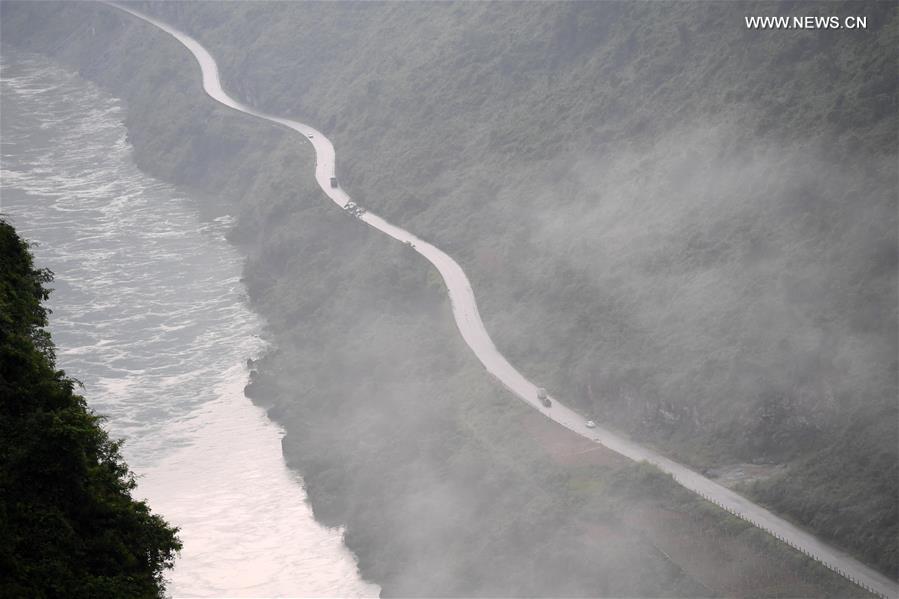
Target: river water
[(149, 312)]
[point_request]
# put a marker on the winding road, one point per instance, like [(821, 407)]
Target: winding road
[(468, 320)]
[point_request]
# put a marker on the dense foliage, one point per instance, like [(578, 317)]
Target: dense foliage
[(68, 524)]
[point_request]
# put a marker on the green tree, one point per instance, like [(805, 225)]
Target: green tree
[(68, 524)]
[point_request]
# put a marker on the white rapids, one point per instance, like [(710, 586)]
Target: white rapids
[(149, 312), (468, 320)]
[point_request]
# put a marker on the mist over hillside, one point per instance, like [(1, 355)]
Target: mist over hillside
[(685, 228)]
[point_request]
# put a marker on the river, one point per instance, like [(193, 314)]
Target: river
[(149, 312)]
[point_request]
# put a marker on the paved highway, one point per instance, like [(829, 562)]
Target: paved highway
[(468, 320)]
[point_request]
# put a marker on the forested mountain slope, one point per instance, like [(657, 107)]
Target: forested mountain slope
[(686, 228), (69, 525)]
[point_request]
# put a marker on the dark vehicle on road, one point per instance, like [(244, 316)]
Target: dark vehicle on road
[(333, 181), (544, 399)]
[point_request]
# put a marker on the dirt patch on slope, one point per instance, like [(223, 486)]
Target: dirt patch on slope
[(566, 447)]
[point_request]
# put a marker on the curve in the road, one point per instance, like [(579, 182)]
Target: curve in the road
[(468, 320)]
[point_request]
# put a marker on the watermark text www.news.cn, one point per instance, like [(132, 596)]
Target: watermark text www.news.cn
[(807, 22)]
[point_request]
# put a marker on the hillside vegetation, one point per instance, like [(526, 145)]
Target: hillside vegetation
[(69, 525), (684, 228)]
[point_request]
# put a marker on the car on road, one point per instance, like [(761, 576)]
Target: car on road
[(544, 398), (591, 424), (333, 181)]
